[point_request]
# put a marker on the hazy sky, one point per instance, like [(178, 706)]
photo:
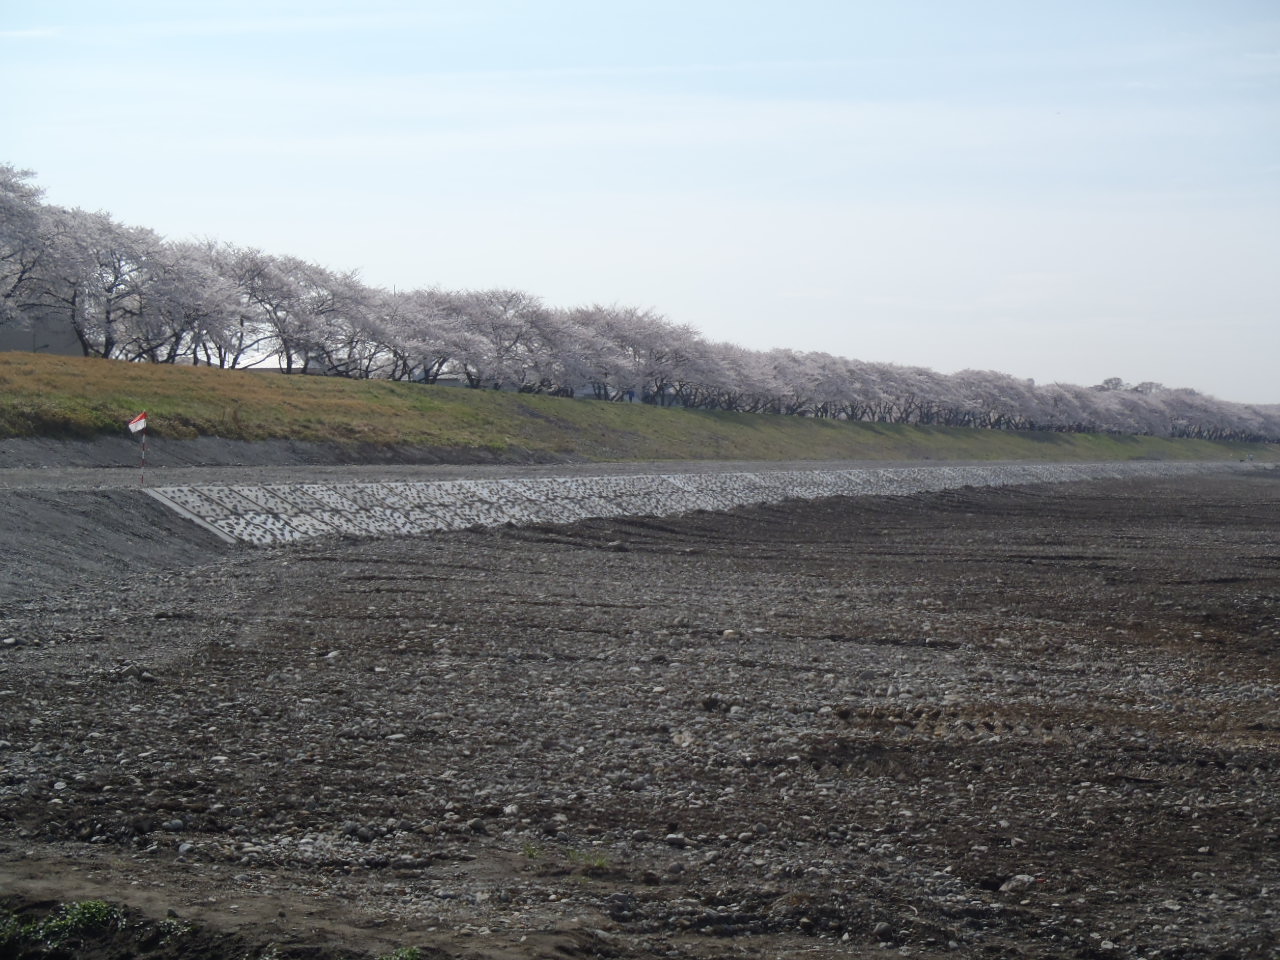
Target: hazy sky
[(1057, 190)]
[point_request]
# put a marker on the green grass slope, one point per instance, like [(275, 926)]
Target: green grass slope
[(76, 398)]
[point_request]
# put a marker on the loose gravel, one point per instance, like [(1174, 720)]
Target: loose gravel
[(1039, 720)]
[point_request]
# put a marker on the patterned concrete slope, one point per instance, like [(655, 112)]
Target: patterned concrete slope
[(272, 514)]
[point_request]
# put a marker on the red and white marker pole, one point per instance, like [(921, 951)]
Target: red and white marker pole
[(139, 425)]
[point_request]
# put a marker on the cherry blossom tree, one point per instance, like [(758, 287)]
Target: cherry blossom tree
[(27, 240), (348, 338), (499, 334), (312, 317), (604, 364), (188, 309), (420, 327), (94, 278)]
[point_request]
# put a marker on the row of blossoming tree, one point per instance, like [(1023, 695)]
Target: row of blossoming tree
[(124, 292)]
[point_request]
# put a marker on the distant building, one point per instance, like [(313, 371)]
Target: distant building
[(43, 336)]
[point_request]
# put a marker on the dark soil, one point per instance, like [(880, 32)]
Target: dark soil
[(1019, 722)]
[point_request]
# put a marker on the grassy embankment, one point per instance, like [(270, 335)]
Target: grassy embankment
[(74, 398)]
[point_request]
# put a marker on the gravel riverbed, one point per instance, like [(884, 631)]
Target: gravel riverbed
[(1034, 721)]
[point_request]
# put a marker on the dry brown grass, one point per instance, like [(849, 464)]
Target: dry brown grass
[(75, 397)]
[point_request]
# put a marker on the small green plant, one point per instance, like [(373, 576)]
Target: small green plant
[(531, 851), (403, 953), (77, 919), (171, 929), (14, 930), (593, 859)]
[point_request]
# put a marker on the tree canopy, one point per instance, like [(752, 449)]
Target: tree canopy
[(126, 293)]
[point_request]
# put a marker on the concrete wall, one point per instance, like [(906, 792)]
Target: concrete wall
[(272, 514)]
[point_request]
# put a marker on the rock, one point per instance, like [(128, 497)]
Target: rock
[(1017, 883)]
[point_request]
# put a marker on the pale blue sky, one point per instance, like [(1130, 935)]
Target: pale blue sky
[(1058, 190)]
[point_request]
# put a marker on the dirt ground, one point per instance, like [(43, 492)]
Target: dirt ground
[(1024, 722)]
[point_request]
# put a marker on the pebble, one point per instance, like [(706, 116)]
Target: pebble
[(1017, 883)]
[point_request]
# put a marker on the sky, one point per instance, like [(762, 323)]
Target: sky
[(1062, 191)]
